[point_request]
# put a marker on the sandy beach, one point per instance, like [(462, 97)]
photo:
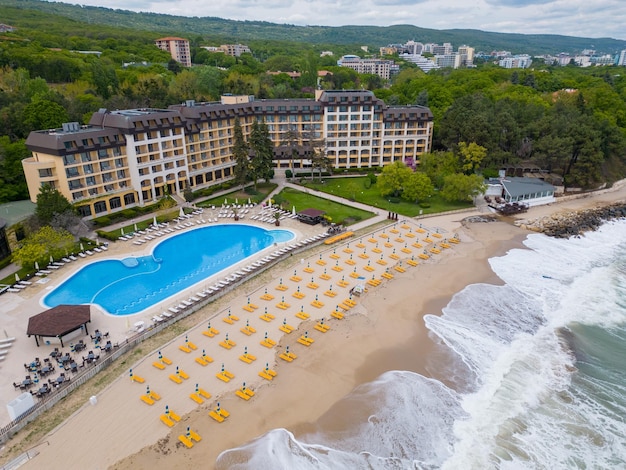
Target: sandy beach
[(383, 331)]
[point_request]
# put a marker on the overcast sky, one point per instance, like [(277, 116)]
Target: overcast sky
[(584, 18)]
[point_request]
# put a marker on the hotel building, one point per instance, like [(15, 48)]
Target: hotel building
[(134, 157)]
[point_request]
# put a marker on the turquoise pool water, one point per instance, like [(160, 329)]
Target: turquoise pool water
[(130, 285)]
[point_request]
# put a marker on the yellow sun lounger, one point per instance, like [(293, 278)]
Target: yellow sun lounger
[(228, 344), (350, 302), (325, 276), (282, 305), (388, 245), (374, 282), (289, 357), (347, 250), (406, 250), (393, 230), (302, 315), (281, 287), (167, 421), (210, 332), (268, 343), (198, 399), (225, 376), (268, 317), (317, 304), (323, 327), (337, 314), (377, 250), (330, 293), (136, 378), (321, 262), (360, 245), (248, 308), (204, 360), (417, 245), (219, 415), (247, 330), (298, 295), (286, 328), (306, 340), (267, 374), (247, 358), (435, 251), (412, 262), (267, 297), (363, 256), (387, 275), (337, 269), (350, 262), (423, 256), (184, 348), (355, 275), (175, 378), (312, 285), (244, 393), (394, 256), (185, 440), (382, 262), (343, 283), (147, 399), (158, 365), (166, 361), (182, 374), (400, 269), (295, 278), (308, 269), (410, 235)]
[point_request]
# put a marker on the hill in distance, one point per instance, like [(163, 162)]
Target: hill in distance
[(372, 36)]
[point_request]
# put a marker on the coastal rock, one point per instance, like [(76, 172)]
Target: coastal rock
[(566, 225)]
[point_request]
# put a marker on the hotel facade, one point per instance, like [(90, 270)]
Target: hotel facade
[(133, 157)]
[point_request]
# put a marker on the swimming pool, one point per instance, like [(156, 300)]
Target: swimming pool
[(130, 285)]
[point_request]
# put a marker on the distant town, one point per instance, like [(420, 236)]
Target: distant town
[(426, 56)]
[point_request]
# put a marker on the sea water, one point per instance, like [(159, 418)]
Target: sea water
[(535, 376)]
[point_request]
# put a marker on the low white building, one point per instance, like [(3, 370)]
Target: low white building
[(530, 191)]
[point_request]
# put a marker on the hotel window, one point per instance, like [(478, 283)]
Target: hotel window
[(99, 207), (102, 153), (77, 195), (45, 173), (115, 202), (69, 159), (84, 157), (90, 180), (88, 169), (129, 199)]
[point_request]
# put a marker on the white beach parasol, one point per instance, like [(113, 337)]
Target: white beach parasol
[(293, 210), (122, 231), (135, 227), (36, 266), (17, 277), (181, 213), (154, 221), (51, 259), (82, 248)]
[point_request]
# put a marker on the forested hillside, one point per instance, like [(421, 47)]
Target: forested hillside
[(373, 36), (568, 120)]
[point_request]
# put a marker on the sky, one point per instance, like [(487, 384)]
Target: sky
[(582, 18)]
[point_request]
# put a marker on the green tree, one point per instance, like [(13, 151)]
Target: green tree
[(437, 165), (472, 156), (45, 243), (263, 150), (392, 178), (462, 188), (240, 153), (50, 202), (44, 114), (417, 187), (12, 181)]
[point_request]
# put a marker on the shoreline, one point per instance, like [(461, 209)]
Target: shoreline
[(357, 348)]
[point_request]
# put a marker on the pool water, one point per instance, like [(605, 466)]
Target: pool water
[(131, 285)]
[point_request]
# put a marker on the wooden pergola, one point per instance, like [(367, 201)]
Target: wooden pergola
[(59, 321)]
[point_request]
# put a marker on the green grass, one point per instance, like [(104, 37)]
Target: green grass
[(354, 189), (338, 213), (242, 195)]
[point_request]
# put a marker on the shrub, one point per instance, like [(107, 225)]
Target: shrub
[(288, 173)]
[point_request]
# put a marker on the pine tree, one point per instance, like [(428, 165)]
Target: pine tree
[(240, 153)]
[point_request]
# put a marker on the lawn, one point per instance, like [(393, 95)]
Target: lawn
[(355, 189), (338, 213), (241, 195)]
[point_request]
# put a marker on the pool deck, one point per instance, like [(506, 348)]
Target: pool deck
[(16, 308)]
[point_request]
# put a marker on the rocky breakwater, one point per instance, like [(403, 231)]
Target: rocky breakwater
[(568, 224)]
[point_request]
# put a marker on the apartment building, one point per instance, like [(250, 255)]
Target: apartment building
[(134, 157), (383, 68), (178, 49), (235, 50), (522, 61)]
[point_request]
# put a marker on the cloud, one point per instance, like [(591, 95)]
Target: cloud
[(518, 3)]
